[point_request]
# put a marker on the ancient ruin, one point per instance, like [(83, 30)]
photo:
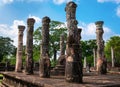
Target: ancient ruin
[(101, 60), (60, 67), (44, 70), (29, 46), (73, 71), (70, 63), (18, 67)]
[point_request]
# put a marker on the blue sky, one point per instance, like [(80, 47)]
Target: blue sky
[(16, 12)]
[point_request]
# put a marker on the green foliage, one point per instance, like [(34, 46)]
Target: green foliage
[(55, 31), (113, 42), (6, 47), (87, 49)]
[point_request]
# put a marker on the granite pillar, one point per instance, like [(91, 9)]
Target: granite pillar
[(29, 46), (45, 61), (18, 67), (73, 71)]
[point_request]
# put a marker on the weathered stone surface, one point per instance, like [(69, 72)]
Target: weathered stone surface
[(62, 60), (101, 60), (29, 46), (12, 79), (18, 67), (45, 61), (73, 72)]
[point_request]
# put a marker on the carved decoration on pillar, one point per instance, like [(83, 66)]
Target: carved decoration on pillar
[(18, 67)]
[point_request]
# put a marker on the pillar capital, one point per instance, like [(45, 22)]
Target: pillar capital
[(30, 21), (70, 5), (45, 19), (21, 27), (99, 24)]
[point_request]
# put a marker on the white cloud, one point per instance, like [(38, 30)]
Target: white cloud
[(114, 1), (118, 11), (37, 19), (60, 1), (11, 31), (3, 2), (89, 31)]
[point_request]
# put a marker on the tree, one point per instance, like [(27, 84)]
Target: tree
[(6, 48), (113, 42), (56, 29), (87, 49)]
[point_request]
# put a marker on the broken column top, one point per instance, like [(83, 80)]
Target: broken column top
[(21, 27), (79, 29), (46, 19), (99, 24), (70, 4), (30, 21)]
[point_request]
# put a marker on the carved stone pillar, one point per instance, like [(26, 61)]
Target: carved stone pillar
[(85, 62), (99, 37), (101, 60), (18, 67), (29, 46), (45, 61), (112, 56), (73, 72), (62, 47), (94, 55), (62, 60)]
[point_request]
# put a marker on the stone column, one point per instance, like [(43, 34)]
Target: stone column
[(85, 62), (18, 67), (112, 56), (29, 46), (61, 59), (73, 72), (45, 61), (94, 55), (62, 47), (101, 60), (99, 37)]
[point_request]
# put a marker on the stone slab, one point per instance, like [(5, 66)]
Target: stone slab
[(89, 80)]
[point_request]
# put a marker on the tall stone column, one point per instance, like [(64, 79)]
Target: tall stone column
[(99, 37), (73, 72), (112, 56), (62, 43), (18, 67), (29, 46), (45, 61), (61, 59), (101, 60), (85, 62), (94, 55)]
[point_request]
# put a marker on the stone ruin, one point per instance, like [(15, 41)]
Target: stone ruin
[(60, 67), (73, 69), (101, 60), (72, 61), (45, 60), (18, 67)]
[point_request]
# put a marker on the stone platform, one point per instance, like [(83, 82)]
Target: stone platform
[(13, 79)]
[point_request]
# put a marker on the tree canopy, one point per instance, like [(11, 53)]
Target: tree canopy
[(56, 29), (6, 47), (113, 42)]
